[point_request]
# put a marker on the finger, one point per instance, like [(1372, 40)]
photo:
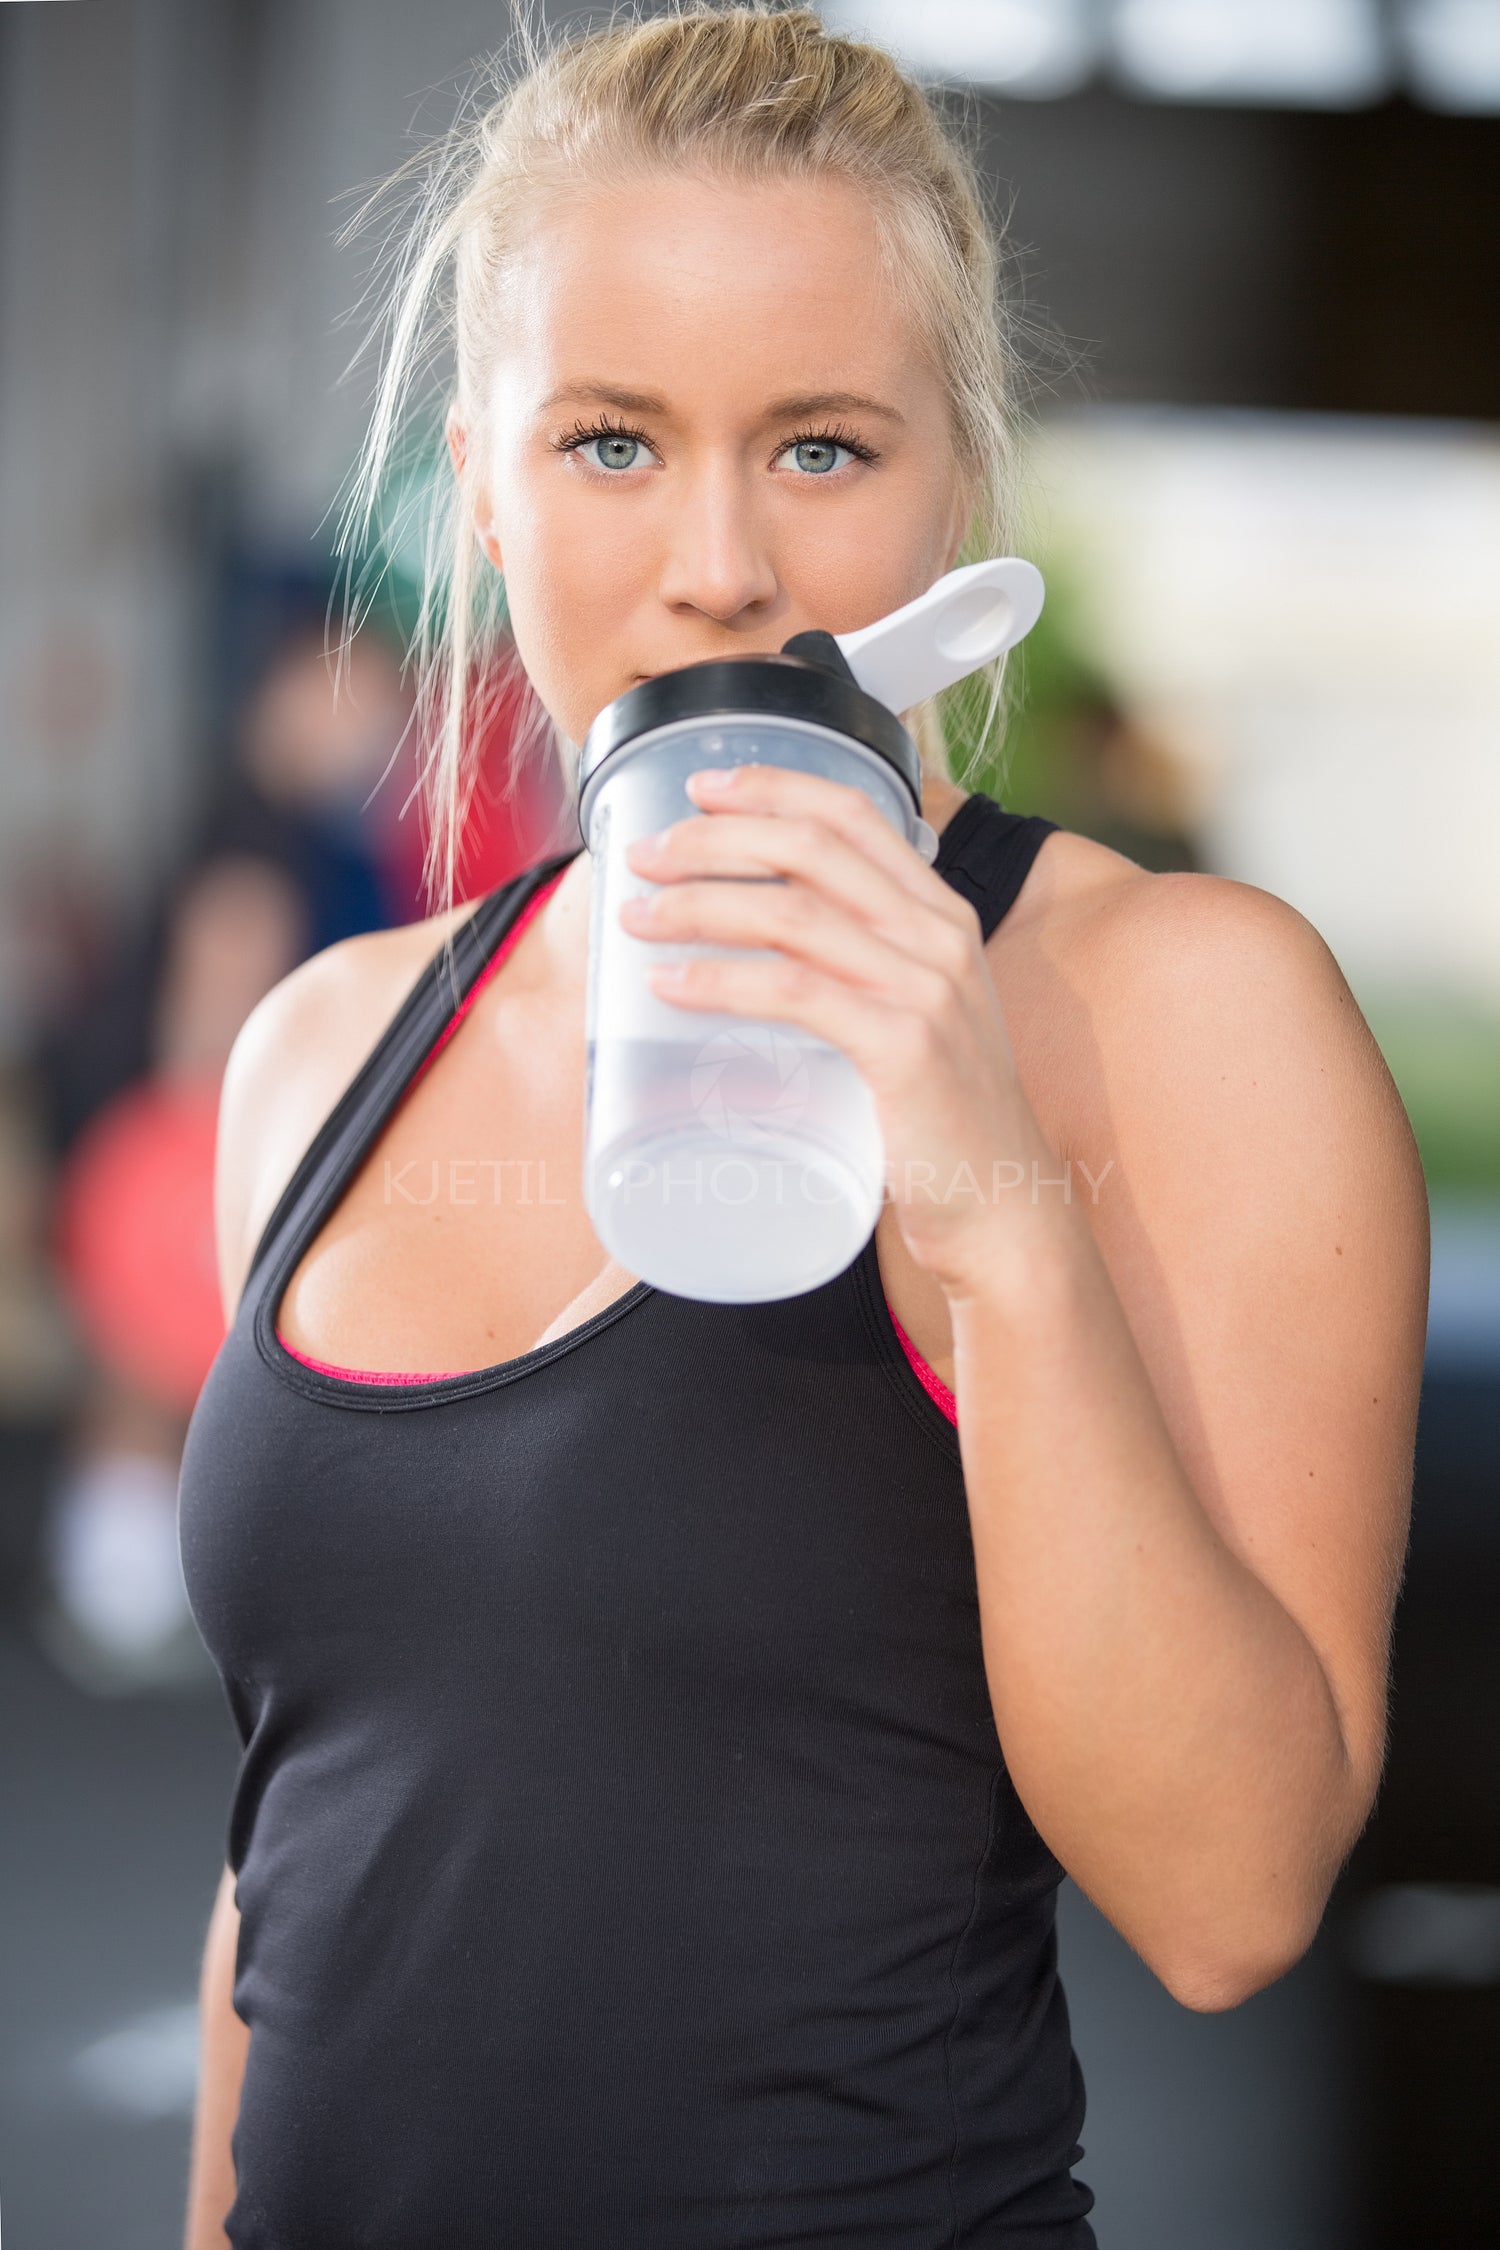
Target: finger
[(901, 904), (787, 790), (798, 921), (886, 1044)]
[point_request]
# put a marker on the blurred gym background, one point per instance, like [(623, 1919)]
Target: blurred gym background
[(1255, 255)]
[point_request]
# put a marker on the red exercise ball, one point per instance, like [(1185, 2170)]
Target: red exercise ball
[(136, 1238)]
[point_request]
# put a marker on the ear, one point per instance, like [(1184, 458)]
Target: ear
[(479, 498)]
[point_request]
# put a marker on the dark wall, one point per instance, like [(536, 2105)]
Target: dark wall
[(1341, 263)]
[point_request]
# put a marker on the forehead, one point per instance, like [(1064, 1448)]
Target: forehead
[(688, 285)]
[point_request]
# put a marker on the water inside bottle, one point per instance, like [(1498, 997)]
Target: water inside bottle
[(735, 1167)]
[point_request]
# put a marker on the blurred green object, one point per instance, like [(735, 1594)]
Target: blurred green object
[(1049, 679), (388, 565), (1070, 751), (1068, 754), (1444, 1053)]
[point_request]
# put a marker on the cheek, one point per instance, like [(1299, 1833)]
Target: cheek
[(571, 590), (859, 562)]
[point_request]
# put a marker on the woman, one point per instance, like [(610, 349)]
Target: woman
[(666, 1724)]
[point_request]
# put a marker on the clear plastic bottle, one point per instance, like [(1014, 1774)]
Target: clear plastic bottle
[(725, 1159)]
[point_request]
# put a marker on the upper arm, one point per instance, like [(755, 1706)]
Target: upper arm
[(224, 2041), (1265, 1224), (226, 1909)]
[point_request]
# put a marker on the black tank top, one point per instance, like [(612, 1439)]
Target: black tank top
[(626, 1858)]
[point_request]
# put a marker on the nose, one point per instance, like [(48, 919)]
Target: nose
[(718, 563)]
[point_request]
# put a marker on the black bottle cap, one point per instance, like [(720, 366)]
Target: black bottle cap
[(803, 682)]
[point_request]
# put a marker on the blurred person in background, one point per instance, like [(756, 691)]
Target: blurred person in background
[(314, 746), (300, 791), (1107, 777), (1080, 758), (314, 835), (298, 848), (135, 1250)]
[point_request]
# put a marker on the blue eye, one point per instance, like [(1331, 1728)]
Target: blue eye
[(816, 457), (615, 450)]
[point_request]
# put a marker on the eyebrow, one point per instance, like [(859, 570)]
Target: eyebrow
[(604, 394), (800, 404), (831, 402)]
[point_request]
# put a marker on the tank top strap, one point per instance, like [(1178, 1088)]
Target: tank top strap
[(421, 1025), (986, 853), (983, 851)]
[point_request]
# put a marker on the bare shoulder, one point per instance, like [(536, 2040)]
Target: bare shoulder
[(295, 1054), (1166, 958), (1103, 915), (1205, 1011)]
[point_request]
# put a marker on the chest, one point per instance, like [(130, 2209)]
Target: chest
[(463, 1240), (689, 1500)]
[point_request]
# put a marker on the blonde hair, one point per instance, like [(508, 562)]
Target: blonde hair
[(746, 90)]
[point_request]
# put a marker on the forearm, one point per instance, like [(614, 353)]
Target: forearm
[(223, 2042), (1166, 1721)]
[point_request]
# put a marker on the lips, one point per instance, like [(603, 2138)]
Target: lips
[(714, 656)]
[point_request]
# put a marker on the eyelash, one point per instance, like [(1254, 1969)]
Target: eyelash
[(582, 434), (836, 435)]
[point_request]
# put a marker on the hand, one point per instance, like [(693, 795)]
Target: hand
[(878, 955)]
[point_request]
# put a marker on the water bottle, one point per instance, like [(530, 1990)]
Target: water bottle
[(727, 1159)]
